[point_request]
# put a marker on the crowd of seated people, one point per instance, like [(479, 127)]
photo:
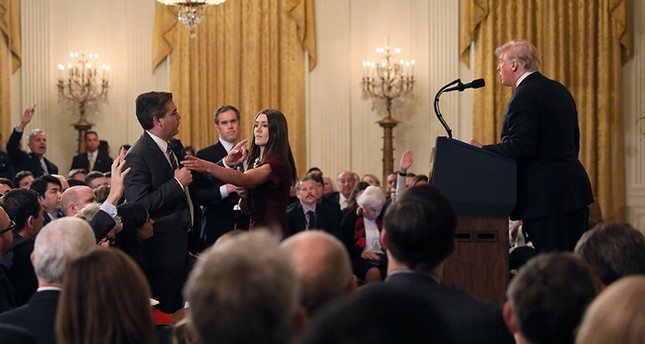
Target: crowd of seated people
[(361, 263)]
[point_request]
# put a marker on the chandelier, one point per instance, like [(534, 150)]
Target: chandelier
[(79, 82), (191, 12)]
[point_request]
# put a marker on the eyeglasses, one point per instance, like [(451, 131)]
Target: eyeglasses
[(12, 226)]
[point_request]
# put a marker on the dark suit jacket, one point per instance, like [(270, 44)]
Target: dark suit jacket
[(22, 160), (327, 219), (38, 316), (469, 319), (151, 182), (540, 131), (218, 216), (15, 335), (20, 270), (332, 198), (103, 162)]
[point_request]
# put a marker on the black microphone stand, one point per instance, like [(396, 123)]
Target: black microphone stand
[(436, 106)]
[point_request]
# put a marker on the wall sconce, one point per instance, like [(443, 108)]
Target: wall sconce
[(79, 82), (386, 80)]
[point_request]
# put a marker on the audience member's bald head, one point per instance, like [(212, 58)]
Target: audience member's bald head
[(323, 266), (76, 198)]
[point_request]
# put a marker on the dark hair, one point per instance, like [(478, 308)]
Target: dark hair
[(314, 169), (7, 182), (20, 204), (379, 314), (93, 175), (20, 176), (75, 171), (550, 295), (278, 144), (91, 132), (40, 184), (149, 105), (75, 182), (613, 250), (351, 200), (106, 299), (420, 227), (133, 217), (225, 108)]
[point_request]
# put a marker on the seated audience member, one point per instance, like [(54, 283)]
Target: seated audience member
[(49, 188), (16, 335), (315, 170), (74, 182), (613, 250), (64, 185), (89, 211), (379, 315), (106, 299), (5, 186), (521, 249), (77, 174), (322, 264), (6, 168), (221, 310), (137, 227), (23, 179), (328, 185), (8, 297), (547, 299), (95, 179), (616, 315), (345, 182), (56, 245), (390, 186), (371, 180), (307, 213), (361, 235), (418, 236), (26, 211)]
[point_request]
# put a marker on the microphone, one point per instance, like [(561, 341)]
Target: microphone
[(477, 83)]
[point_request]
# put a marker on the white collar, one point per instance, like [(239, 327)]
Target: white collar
[(163, 145), (523, 77), (227, 145)]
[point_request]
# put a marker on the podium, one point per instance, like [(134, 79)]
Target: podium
[(482, 186)]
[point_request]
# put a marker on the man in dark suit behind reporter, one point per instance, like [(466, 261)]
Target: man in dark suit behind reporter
[(418, 235), (540, 131), (93, 159), (307, 213), (218, 198), (157, 181)]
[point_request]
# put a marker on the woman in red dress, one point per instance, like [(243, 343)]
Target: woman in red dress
[(271, 170)]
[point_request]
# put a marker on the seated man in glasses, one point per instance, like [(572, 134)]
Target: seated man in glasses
[(8, 297)]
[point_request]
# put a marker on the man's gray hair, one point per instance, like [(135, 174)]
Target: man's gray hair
[(243, 290), (57, 244)]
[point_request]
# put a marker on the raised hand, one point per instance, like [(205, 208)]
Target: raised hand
[(406, 161), (237, 155), (27, 116), (117, 181)]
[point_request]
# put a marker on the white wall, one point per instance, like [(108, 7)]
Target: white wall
[(341, 124)]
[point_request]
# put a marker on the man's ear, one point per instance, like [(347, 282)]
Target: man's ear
[(30, 221), (509, 318)]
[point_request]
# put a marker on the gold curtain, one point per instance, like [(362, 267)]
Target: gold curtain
[(583, 44), (249, 53), (10, 46)]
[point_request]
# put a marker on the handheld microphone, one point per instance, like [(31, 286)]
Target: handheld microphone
[(477, 83)]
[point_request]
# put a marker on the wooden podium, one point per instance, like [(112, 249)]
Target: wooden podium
[(482, 186)]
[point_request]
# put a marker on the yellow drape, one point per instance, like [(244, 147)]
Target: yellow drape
[(583, 44), (248, 53), (9, 43)]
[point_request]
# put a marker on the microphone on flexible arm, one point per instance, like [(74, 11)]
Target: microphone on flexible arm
[(477, 83)]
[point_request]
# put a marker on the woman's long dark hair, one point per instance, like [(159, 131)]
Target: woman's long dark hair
[(278, 144)]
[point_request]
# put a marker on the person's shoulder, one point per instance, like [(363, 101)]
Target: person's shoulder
[(293, 207)]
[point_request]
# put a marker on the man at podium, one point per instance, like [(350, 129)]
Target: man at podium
[(540, 131)]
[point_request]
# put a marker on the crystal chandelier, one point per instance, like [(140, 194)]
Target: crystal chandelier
[(191, 12)]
